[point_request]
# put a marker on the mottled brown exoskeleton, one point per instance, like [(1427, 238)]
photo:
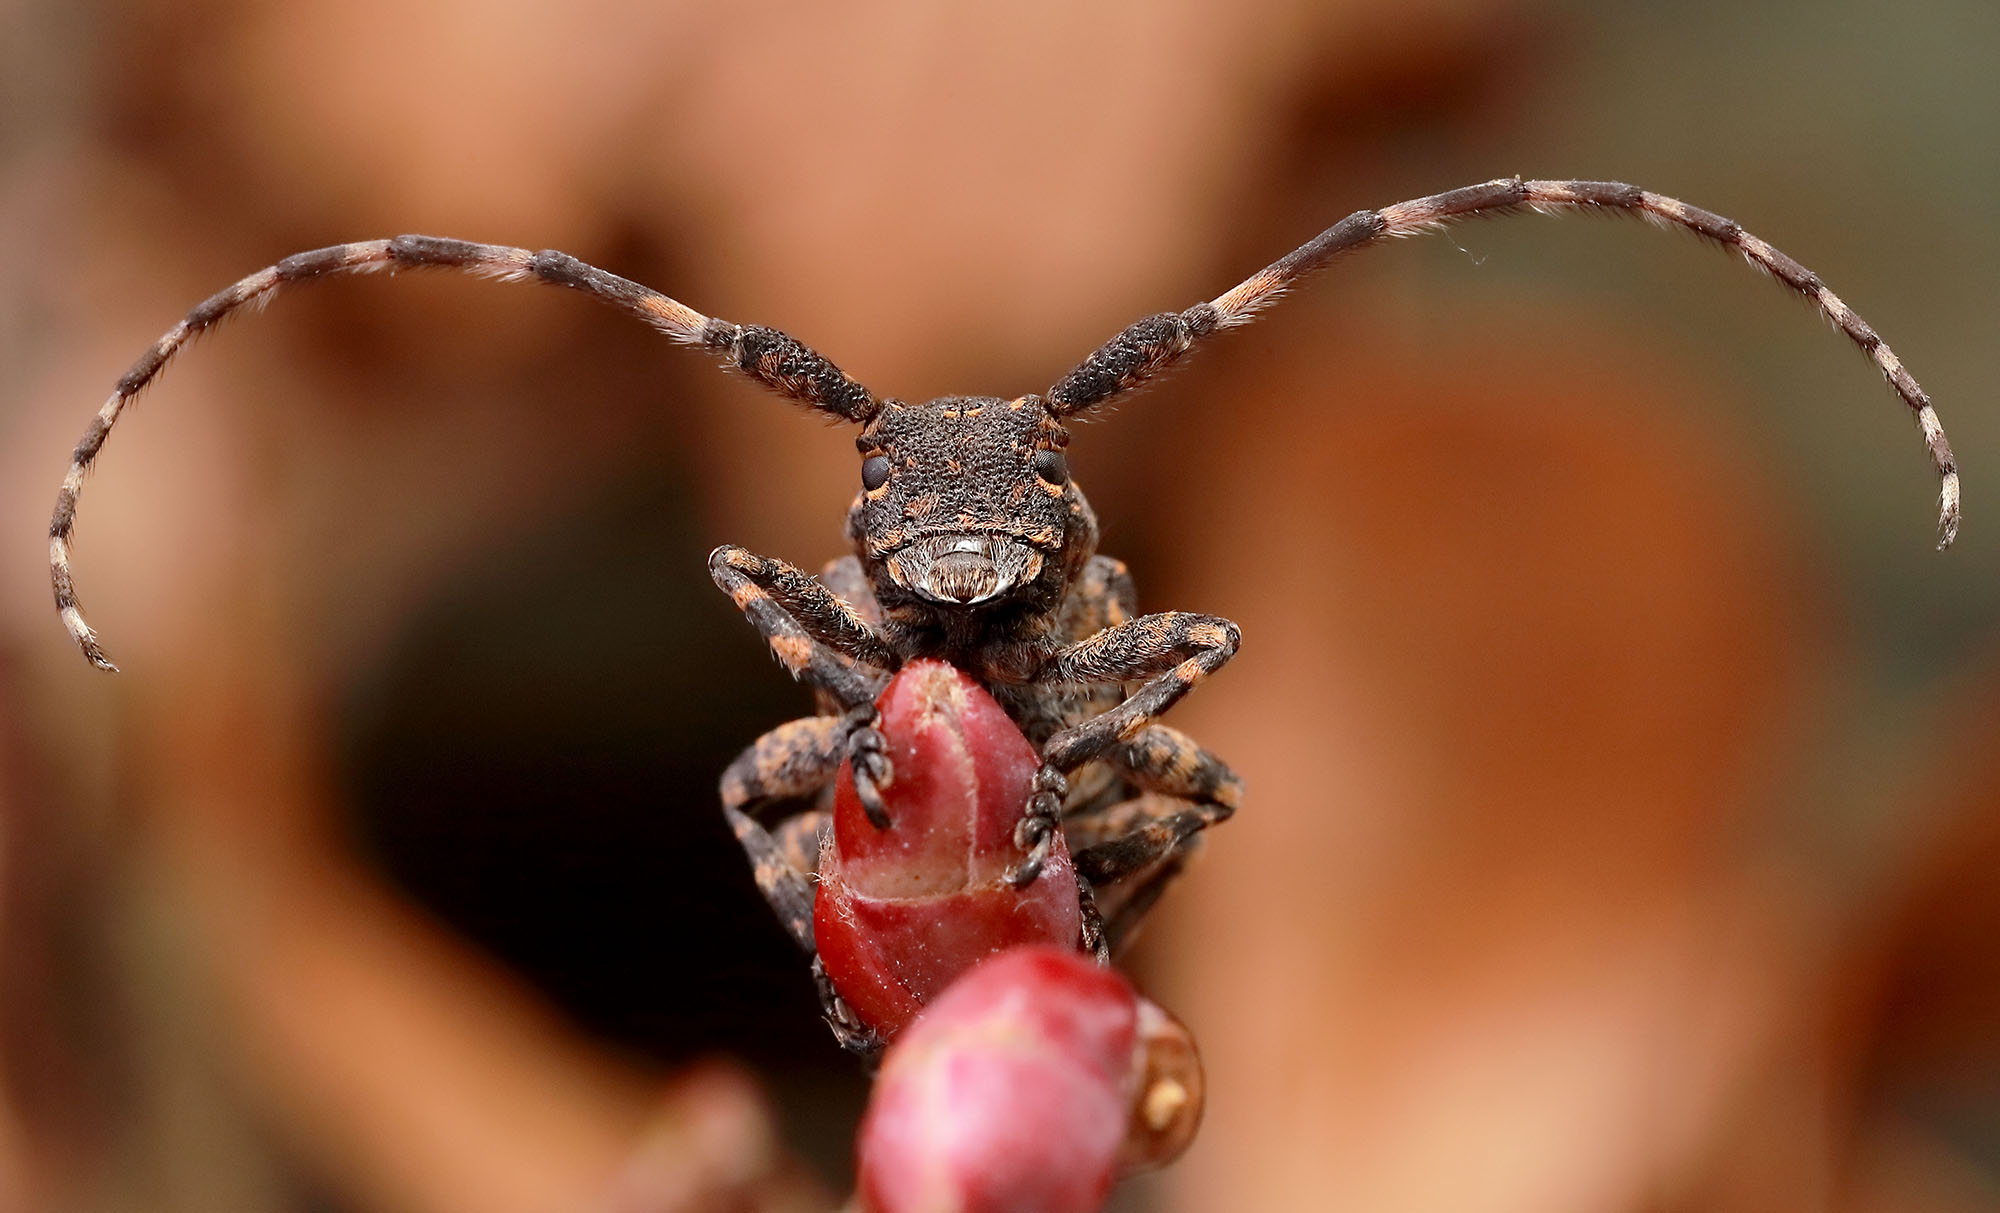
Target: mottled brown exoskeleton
[(973, 545)]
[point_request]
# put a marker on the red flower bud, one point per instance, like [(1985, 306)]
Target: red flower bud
[(901, 912), (1030, 1085)]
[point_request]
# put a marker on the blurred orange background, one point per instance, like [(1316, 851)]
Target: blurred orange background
[(1619, 834)]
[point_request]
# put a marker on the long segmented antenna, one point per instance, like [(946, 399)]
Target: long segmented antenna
[(1151, 345), (777, 360)]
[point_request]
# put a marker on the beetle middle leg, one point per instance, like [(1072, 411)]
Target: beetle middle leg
[(1169, 763), (1167, 654), (1125, 899), (1145, 840), (789, 765), (787, 768)]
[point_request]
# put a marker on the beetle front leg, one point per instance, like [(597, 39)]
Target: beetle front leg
[(812, 632), (826, 644), (1168, 653), (1035, 833)]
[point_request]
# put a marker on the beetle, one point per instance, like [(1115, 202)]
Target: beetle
[(973, 545)]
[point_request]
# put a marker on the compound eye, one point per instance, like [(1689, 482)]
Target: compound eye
[(1052, 467), (874, 472)]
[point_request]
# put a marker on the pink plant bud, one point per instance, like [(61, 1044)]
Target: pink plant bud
[(1030, 1085), (901, 912)]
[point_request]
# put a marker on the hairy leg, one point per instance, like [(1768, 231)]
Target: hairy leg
[(791, 764), (819, 638), (1166, 654), (1133, 849)]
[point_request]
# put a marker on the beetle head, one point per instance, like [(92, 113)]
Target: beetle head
[(966, 501)]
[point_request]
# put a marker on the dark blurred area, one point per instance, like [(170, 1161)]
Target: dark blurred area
[(1622, 830)]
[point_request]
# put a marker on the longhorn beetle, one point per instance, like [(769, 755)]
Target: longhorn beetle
[(973, 545)]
